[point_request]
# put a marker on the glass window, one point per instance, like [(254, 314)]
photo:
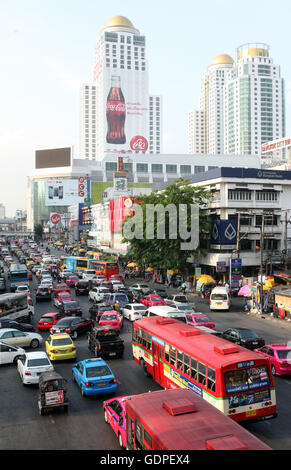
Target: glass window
[(193, 369), (202, 373), (171, 168), (211, 379), (180, 360), (167, 350), (173, 356)]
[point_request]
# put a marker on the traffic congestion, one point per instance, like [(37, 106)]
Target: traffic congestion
[(74, 328)]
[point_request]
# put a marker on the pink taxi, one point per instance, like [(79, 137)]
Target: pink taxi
[(199, 319), (111, 318), (115, 416), (279, 356), (152, 301)]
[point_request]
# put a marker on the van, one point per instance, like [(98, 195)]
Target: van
[(220, 299), (110, 299), (165, 311)]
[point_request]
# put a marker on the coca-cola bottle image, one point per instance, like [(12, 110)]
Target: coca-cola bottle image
[(115, 113)]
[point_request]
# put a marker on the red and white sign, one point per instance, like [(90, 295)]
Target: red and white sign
[(276, 144), (139, 143), (81, 186), (55, 218)]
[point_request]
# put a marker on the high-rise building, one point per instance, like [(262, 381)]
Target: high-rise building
[(254, 101), (2, 211), (115, 114), (242, 105)]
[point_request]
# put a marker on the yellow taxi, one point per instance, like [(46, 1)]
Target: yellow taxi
[(60, 347)]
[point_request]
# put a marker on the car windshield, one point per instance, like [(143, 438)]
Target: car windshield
[(61, 342), (185, 307), (284, 354), (107, 333), (98, 371), (108, 317), (201, 319), (180, 298), (105, 309), (138, 307), (70, 305), (45, 319), (155, 298), (218, 297), (248, 334), (41, 361), (64, 322)]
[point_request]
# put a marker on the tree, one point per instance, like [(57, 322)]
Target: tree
[(157, 236)]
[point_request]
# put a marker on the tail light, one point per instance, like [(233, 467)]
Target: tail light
[(27, 373), (73, 349), (284, 363), (112, 381), (89, 384), (53, 351), (123, 343), (67, 329), (136, 313)]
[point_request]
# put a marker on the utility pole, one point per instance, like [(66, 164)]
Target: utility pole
[(237, 235), (261, 267), (285, 241)]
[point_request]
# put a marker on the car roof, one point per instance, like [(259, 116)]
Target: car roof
[(94, 361), (49, 314), (61, 335), (35, 354), (110, 311)]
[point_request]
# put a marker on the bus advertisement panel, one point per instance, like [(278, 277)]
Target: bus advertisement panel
[(75, 263), (235, 380)]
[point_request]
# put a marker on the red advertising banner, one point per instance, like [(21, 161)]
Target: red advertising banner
[(119, 210)]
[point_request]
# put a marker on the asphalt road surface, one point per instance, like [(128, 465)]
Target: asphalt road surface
[(84, 428)]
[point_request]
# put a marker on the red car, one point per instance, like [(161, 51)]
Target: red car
[(152, 301), (199, 319), (48, 320), (71, 281), (117, 277), (112, 318), (62, 288), (30, 275), (279, 356)]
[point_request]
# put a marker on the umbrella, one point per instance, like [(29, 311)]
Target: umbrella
[(149, 269), (245, 290), (205, 278), (131, 265)]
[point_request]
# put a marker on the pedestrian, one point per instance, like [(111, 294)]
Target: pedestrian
[(117, 306)]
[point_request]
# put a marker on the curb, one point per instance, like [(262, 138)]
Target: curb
[(267, 317)]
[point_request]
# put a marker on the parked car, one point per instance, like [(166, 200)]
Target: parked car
[(144, 288), (94, 377), (115, 415), (74, 326), (62, 297), (82, 287), (10, 354), (15, 325), (112, 318), (20, 338), (117, 277), (279, 356), (30, 365), (48, 320), (199, 319), (71, 307), (105, 341), (97, 293), (43, 293), (60, 347), (152, 300), (244, 337), (133, 311)]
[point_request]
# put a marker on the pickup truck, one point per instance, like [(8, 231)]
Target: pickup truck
[(105, 341)]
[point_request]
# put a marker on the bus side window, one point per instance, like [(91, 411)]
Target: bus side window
[(139, 336), (147, 440), (173, 356), (130, 432), (134, 334), (193, 369), (167, 355), (186, 364), (149, 341), (211, 379), (202, 373), (180, 360)]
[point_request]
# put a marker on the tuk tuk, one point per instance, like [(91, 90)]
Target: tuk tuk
[(52, 392)]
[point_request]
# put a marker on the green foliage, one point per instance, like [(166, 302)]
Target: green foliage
[(166, 252)]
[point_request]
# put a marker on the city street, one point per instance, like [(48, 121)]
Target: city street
[(84, 428)]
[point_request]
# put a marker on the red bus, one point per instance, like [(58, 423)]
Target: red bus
[(104, 268), (235, 380), (180, 420)]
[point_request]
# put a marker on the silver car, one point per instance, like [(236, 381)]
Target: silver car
[(20, 338)]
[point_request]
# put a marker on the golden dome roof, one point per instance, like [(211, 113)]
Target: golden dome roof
[(119, 21), (222, 59)]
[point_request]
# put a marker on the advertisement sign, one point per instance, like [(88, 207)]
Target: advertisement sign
[(126, 111), (119, 210), (55, 219), (62, 192), (221, 267), (224, 232)]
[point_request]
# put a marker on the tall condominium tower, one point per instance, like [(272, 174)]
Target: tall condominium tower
[(254, 101), (118, 115)]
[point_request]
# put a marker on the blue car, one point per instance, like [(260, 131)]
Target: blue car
[(94, 377)]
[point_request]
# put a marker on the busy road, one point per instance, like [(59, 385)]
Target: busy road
[(83, 427)]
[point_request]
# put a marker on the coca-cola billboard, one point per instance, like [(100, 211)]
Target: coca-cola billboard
[(126, 111)]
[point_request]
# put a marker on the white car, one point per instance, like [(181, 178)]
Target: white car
[(20, 338), (30, 365), (144, 288), (133, 311), (9, 354), (97, 293), (22, 289), (117, 285), (89, 274)]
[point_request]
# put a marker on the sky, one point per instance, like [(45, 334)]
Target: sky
[(47, 51)]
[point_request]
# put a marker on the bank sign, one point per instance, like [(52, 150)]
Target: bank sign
[(224, 232)]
